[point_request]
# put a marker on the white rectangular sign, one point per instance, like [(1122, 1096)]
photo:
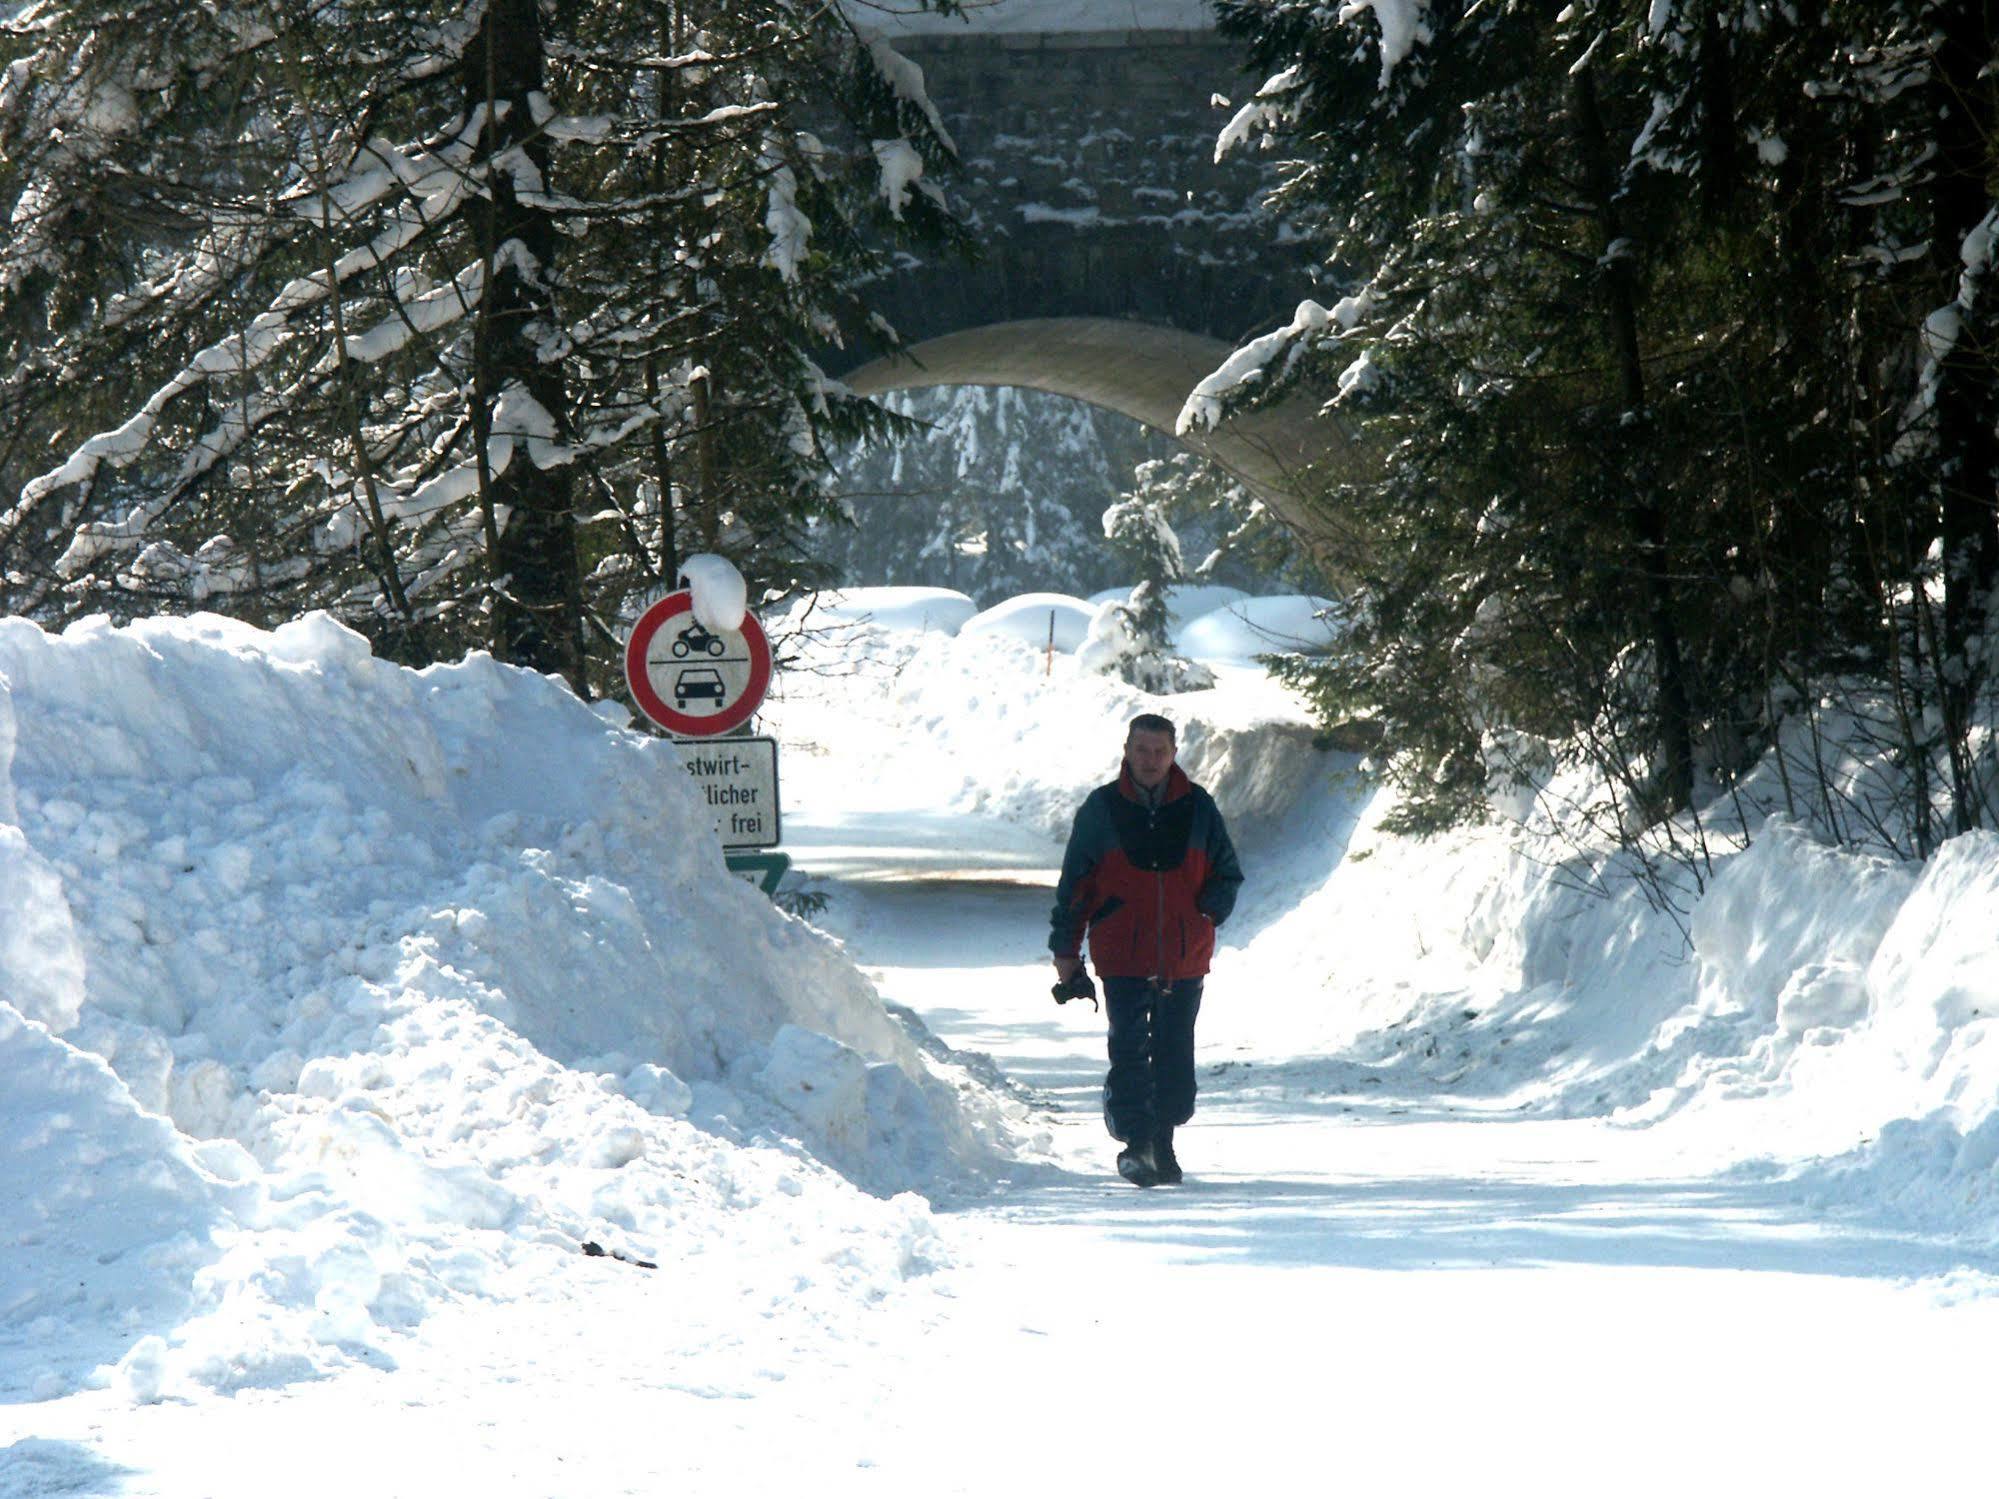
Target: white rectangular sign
[(738, 779)]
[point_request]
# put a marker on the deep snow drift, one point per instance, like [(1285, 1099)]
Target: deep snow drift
[(332, 993)]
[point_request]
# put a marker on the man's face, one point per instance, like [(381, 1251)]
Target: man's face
[(1150, 755)]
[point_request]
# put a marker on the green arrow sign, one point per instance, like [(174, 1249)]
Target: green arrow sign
[(765, 869)]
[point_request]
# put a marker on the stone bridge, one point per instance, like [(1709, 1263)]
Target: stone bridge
[(1120, 262)]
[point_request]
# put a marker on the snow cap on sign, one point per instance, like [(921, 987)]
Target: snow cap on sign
[(721, 597)]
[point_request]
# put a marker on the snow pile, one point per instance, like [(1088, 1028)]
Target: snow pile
[(721, 597), (987, 721), (907, 608), (1245, 628), (1827, 1016), (1035, 618), (333, 993)]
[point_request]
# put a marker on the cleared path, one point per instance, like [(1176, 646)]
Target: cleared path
[(1365, 1292)]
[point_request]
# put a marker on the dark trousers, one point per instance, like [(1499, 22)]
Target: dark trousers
[(1151, 1081)]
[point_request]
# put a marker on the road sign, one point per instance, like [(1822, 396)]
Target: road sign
[(766, 871), (692, 681), (738, 779)]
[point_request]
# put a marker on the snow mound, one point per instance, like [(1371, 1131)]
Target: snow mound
[(1251, 627), (335, 992), (1184, 601), (941, 609), (1826, 1016), (985, 722), (1111, 647), (1027, 617)]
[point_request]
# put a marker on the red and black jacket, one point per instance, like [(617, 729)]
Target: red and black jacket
[(1151, 883)]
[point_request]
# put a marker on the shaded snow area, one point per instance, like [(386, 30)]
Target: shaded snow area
[(336, 996)]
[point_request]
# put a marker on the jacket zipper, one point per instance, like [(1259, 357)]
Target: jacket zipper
[(1159, 884)]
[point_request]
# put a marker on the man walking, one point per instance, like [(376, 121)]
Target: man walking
[(1151, 873)]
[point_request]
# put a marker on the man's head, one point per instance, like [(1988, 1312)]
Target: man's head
[(1148, 749)]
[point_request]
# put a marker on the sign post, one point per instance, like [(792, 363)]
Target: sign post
[(765, 871), (700, 685)]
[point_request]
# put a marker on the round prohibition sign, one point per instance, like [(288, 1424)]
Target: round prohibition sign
[(682, 682)]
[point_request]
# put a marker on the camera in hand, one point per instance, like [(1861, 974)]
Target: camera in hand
[(1077, 986)]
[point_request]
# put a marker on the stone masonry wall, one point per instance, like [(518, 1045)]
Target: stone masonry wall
[(1089, 177)]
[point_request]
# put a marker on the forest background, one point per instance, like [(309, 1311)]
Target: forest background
[(1664, 365)]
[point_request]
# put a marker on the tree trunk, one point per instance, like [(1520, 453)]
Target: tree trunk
[(1967, 453), (538, 612), (1648, 524)]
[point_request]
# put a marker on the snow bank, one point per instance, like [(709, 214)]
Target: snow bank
[(333, 992), (1243, 629), (1827, 1017), (1029, 617), (943, 609), (986, 722)]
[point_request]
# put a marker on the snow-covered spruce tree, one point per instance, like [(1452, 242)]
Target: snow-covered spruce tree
[(1144, 542), (749, 260), (1843, 155), (1235, 535), (1501, 360), (1633, 345), (416, 313)]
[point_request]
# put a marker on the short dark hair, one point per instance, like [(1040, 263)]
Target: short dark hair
[(1153, 723)]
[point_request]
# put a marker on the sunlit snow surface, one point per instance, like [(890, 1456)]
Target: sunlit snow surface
[(339, 995), (344, 1005)]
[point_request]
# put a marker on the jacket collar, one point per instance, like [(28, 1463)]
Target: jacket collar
[(1177, 785)]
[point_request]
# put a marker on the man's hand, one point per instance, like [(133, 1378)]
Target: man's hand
[(1065, 968)]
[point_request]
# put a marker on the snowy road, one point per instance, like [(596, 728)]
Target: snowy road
[(1357, 1289)]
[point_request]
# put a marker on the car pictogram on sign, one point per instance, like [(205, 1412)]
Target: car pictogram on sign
[(698, 681)]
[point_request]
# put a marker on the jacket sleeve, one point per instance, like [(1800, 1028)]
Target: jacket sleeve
[(1218, 890), (1072, 894)]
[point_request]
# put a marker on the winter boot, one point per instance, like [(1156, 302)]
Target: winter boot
[(1164, 1163), (1135, 1164)]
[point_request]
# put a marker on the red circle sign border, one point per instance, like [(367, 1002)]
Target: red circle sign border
[(650, 703)]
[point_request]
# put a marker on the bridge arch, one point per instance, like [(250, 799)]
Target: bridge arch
[(1139, 370), (1120, 262)]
